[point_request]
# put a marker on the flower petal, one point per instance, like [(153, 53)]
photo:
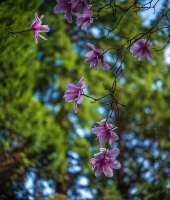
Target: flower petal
[(148, 54), (99, 170), (137, 51), (141, 55), (75, 106), (102, 122), (102, 138), (72, 86), (98, 156), (89, 54), (96, 130), (70, 95), (105, 66), (115, 136), (92, 46), (80, 99), (114, 164), (107, 170), (81, 83), (113, 153)]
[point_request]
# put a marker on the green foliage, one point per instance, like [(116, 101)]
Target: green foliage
[(58, 197)]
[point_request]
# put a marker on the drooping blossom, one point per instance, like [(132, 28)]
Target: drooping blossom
[(95, 58), (105, 132), (37, 27), (141, 49), (105, 162), (64, 6), (80, 7), (85, 20), (74, 93)]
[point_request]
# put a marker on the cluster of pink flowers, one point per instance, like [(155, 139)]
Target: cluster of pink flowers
[(79, 8), (105, 160), (83, 13)]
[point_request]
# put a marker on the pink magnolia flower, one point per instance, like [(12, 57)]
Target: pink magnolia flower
[(75, 93), (64, 6), (37, 27), (105, 132), (85, 21), (141, 49), (80, 7), (95, 58), (104, 161)]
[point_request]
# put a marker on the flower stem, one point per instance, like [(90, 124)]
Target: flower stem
[(13, 33)]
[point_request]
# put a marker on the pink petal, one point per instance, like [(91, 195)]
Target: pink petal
[(42, 37), (105, 66), (80, 8), (91, 59), (42, 16), (103, 149), (72, 86), (111, 142), (115, 136), (141, 55), (36, 16), (107, 170), (96, 130), (70, 96), (137, 51), (81, 83), (149, 44), (102, 138), (92, 46), (113, 153), (80, 99), (94, 162), (43, 28), (75, 107), (134, 48), (114, 164), (99, 170), (36, 37), (68, 15), (140, 42), (89, 54), (148, 54), (91, 65), (98, 156), (102, 122)]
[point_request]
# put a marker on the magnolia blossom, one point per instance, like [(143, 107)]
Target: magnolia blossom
[(104, 161), (95, 58), (80, 7), (85, 20), (141, 49), (105, 132), (75, 93), (64, 6), (37, 27)]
